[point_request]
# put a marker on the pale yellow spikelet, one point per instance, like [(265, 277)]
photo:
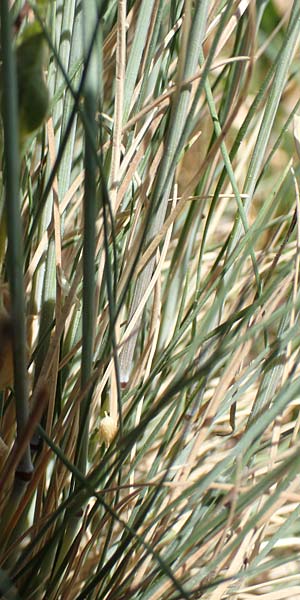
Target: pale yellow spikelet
[(108, 429)]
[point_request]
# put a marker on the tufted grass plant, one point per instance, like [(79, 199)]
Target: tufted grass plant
[(149, 305)]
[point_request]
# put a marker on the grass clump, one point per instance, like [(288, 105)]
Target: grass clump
[(149, 344)]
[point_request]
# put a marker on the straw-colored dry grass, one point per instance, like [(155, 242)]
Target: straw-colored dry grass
[(159, 203)]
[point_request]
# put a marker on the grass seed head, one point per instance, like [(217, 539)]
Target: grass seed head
[(108, 429)]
